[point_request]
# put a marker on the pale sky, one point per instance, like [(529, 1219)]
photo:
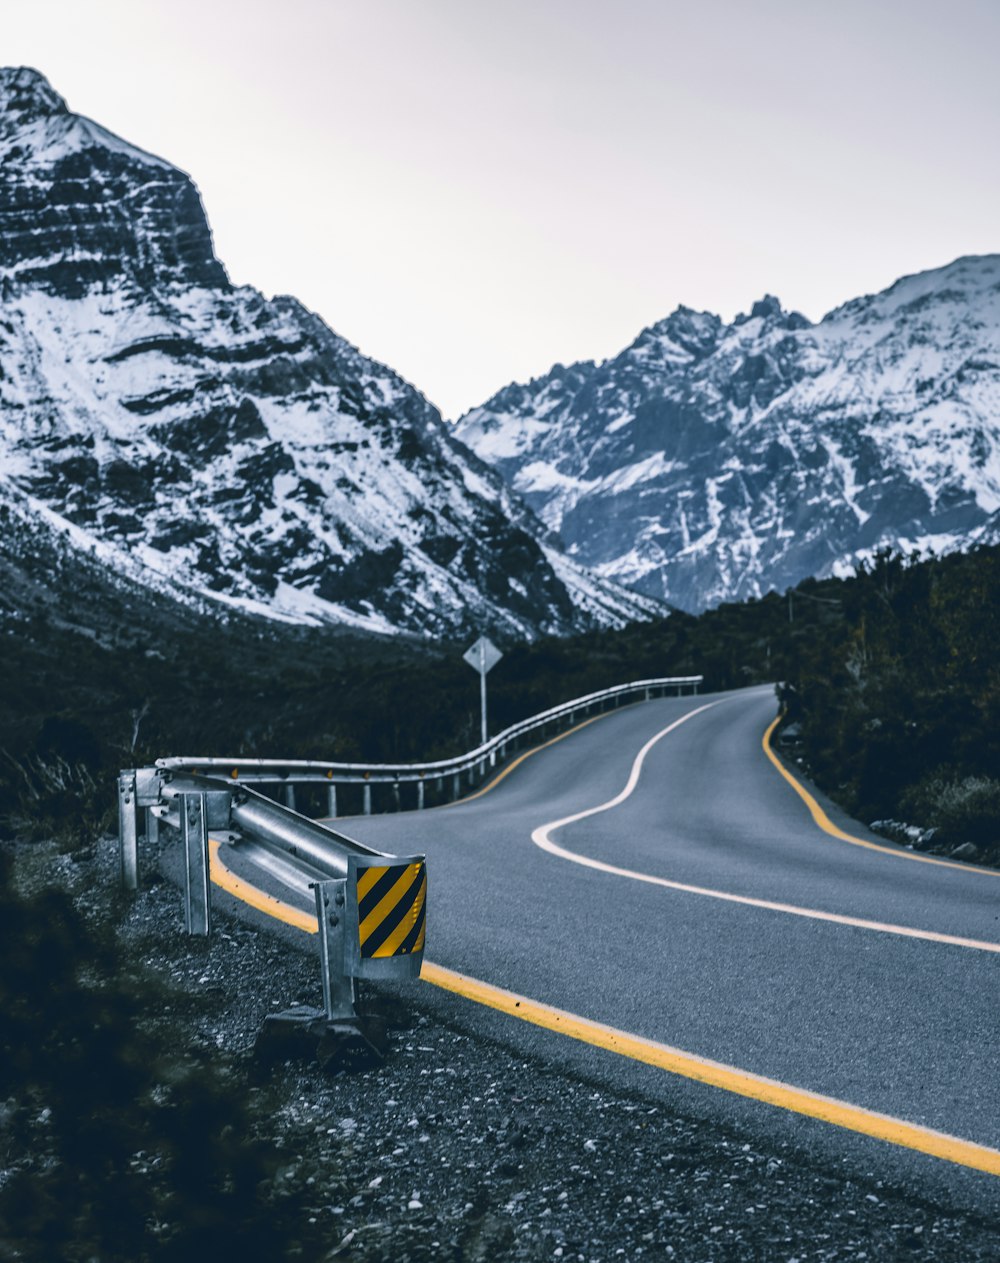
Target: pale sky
[(471, 192)]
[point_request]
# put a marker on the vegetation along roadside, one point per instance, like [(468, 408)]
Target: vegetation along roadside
[(890, 680)]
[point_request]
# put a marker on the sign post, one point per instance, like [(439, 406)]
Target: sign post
[(483, 657)]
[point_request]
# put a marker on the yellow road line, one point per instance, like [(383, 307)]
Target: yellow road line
[(534, 750), (543, 840), (742, 1082), (663, 1056), (826, 824), (227, 880), (516, 763)]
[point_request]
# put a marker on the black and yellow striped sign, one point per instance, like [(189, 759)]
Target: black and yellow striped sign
[(392, 905)]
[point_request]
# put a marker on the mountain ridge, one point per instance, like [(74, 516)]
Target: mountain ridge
[(709, 461), (226, 446)]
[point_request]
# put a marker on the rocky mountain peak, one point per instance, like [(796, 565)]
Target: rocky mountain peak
[(679, 339), (81, 209), (26, 97), (773, 316), (711, 462), (766, 306)]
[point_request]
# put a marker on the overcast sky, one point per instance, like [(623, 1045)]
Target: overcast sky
[(471, 192)]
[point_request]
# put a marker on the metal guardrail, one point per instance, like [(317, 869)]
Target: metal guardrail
[(370, 907), (445, 774)]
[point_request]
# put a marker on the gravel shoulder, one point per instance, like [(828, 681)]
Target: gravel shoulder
[(454, 1148)]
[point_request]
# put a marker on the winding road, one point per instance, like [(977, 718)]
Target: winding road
[(653, 886)]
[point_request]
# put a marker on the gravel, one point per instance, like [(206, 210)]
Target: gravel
[(454, 1148)]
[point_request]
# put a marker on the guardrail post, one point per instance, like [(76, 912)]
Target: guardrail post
[(290, 797), (457, 785), (367, 808), (331, 800), (395, 794), (152, 827), (197, 888), (420, 795), (128, 841), (339, 995)]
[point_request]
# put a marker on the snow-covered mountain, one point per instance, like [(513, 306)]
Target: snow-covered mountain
[(196, 437), (712, 462)]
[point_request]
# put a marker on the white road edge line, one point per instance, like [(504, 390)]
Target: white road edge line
[(542, 839)]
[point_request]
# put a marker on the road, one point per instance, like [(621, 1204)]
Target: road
[(703, 908)]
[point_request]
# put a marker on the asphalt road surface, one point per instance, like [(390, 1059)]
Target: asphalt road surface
[(859, 973)]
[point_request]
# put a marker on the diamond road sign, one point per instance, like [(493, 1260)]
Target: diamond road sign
[(483, 655)]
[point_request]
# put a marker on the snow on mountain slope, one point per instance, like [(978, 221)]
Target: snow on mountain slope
[(710, 462), (204, 440)]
